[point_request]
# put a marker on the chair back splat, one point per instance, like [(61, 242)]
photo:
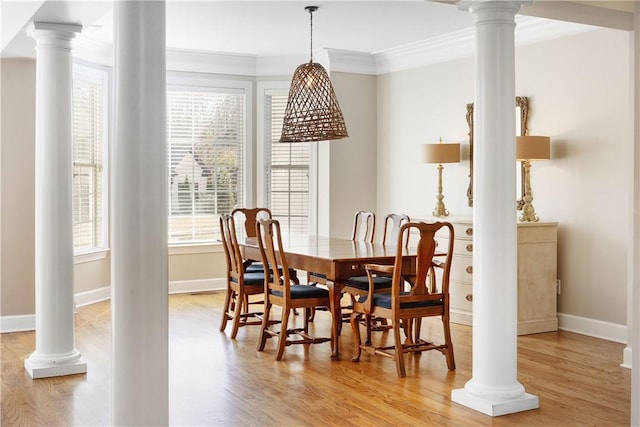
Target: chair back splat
[(427, 297), (364, 226), (280, 290)]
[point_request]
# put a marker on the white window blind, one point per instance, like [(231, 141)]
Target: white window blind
[(287, 172), (205, 160), (88, 145)]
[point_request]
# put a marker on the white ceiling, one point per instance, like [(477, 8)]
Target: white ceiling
[(266, 28), (276, 28)]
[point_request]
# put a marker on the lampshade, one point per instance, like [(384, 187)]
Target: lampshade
[(440, 153), (312, 112), (533, 147)]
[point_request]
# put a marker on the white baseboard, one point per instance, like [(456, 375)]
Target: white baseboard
[(626, 358), (93, 296), (27, 322), (194, 286), (20, 323), (593, 328)]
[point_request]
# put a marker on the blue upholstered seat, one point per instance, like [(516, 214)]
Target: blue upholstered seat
[(362, 282), (304, 291), (384, 300)]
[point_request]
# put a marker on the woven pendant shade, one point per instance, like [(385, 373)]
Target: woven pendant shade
[(312, 112)]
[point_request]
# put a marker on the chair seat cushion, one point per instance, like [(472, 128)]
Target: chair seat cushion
[(384, 300), (305, 291), (251, 279), (362, 282), (255, 267)]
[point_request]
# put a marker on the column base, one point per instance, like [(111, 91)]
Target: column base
[(495, 406), (43, 366)]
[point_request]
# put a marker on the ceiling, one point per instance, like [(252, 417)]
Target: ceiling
[(260, 28)]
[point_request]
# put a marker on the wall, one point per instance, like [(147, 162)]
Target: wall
[(578, 88), (17, 281), (352, 161)]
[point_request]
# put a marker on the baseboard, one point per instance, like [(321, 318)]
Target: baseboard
[(195, 286), (27, 322), (93, 296), (593, 328), (626, 358), (20, 323)]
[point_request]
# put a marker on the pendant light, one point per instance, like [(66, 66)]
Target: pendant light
[(312, 112)]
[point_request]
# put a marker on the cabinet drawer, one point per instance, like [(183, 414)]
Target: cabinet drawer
[(463, 247), (461, 269), (458, 296), (463, 231)]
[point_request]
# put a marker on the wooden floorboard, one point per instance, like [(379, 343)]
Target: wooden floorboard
[(217, 381)]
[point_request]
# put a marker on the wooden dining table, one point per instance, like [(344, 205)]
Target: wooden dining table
[(336, 259)]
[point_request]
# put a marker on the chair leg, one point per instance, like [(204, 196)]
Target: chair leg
[(451, 362), (237, 315), (307, 315), (225, 310), (265, 325), (355, 326), (282, 337), (368, 319), (399, 355)]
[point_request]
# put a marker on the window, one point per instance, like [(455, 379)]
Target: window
[(206, 159), (89, 148), (286, 167)]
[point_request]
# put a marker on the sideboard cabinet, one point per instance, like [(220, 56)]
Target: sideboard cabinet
[(537, 275)]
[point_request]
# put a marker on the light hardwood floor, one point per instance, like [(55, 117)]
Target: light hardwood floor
[(217, 381)]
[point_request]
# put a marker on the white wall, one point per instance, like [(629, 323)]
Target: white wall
[(578, 90)]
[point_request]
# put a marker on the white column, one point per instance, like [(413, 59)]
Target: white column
[(55, 352), (494, 388), (140, 391)]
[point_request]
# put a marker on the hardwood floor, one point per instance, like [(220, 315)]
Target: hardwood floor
[(222, 382)]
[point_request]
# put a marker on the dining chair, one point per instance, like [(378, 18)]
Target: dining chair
[(428, 296), (248, 218), (359, 285), (364, 227), (281, 291), (240, 284)]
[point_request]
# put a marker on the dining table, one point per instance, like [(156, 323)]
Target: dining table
[(336, 259)]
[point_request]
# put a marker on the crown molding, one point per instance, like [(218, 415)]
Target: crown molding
[(455, 45)]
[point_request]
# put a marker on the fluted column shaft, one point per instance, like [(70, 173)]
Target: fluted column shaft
[(140, 393), (55, 352)]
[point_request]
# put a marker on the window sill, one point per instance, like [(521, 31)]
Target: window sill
[(95, 255), (204, 248)]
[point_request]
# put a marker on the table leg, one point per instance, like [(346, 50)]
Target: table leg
[(335, 293)]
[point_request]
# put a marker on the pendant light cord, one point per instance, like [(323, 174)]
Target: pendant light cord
[(311, 33), (311, 9)]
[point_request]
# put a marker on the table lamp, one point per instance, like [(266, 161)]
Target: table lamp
[(530, 148), (440, 153)]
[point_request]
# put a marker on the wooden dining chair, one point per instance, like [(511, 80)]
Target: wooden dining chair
[(240, 284), (247, 218), (364, 227), (428, 296), (357, 286), (281, 291)]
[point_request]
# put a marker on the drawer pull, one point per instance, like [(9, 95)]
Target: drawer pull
[(469, 269), (470, 247), (469, 297), (469, 231)]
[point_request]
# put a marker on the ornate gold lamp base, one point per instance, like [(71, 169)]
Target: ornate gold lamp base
[(440, 209), (528, 212)]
